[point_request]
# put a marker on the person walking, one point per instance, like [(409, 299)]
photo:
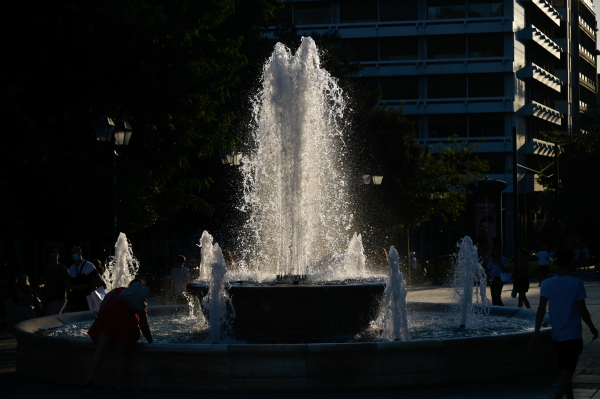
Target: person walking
[(566, 298), (54, 282), (521, 283), (180, 276), (543, 268), (497, 265), (119, 322)]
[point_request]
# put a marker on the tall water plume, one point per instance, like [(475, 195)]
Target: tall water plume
[(295, 184), (469, 282), (123, 267), (394, 320)]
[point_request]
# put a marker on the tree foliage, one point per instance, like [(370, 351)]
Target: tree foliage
[(579, 165), (168, 67)]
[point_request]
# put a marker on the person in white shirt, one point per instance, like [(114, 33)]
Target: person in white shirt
[(543, 268), (566, 298), (180, 276)]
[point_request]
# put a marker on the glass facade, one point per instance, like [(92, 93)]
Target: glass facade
[(312, 13), (398, 10), (446, 9), (399, 87), (486, 45), (486, 125), (448, 125), (353, 11), (441, 47), (486, 8), (447, 86), (399, 48), (486, 85)]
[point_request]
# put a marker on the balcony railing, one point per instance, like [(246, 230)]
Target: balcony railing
[(587, 80), (544, 41), (587, 53), (586, 26)]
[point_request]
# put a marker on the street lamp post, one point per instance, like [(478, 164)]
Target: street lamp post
[(105, 130)]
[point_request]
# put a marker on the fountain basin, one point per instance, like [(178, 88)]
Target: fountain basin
[(291, 367), (305, 312)]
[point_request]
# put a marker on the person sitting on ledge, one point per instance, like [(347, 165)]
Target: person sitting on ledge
[(118, 322), (25, 296)]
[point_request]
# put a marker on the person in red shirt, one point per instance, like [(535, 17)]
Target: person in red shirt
[(116, 323)]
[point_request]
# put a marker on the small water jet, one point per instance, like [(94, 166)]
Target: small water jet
[(395, 322), (217, 301), (123, 267), (469, 281)]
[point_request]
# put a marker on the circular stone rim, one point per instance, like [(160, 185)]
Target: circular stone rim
[(289, 367)]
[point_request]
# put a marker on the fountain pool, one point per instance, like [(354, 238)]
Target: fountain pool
[(376, 364)]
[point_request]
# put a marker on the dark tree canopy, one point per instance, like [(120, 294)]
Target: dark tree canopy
[(579, 164), (168, 67)]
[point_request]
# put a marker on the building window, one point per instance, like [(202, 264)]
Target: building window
[(363, 49), (444, 47), (358, 11), (486, 45), (542, 94), (400, 87), (446, 9), (447, 86), (447, 126), (399, 48), (486, 125), (398, 10), (496, 162), (486, 8), (486, 85), (312, 13)]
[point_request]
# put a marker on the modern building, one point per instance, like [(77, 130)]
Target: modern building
[(476, 69)]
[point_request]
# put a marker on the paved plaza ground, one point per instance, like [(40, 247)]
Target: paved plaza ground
[(586, 380)]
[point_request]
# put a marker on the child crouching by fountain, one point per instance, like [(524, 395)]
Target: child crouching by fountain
[(121, 316)]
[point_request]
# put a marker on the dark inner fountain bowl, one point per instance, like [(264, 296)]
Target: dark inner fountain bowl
[(301, 311)]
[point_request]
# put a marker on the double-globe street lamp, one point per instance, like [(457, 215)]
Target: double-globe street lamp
[(106, 128)]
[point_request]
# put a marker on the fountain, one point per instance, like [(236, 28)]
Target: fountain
[(304, 313), (469, 279), (121, 268), (394, 306), (294, 280)]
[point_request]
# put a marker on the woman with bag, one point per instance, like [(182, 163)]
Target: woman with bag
[(121, 316), (521, 284), (497, 265)]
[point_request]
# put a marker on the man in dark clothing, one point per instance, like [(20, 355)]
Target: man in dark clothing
[(83, 279), (54, 282)]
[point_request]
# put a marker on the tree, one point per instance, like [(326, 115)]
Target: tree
[(579, 162), (169, 68)]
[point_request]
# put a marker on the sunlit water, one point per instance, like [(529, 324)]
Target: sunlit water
[(469, 283), (123, 267), (295, 187), (421, 326), (393, 310)]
